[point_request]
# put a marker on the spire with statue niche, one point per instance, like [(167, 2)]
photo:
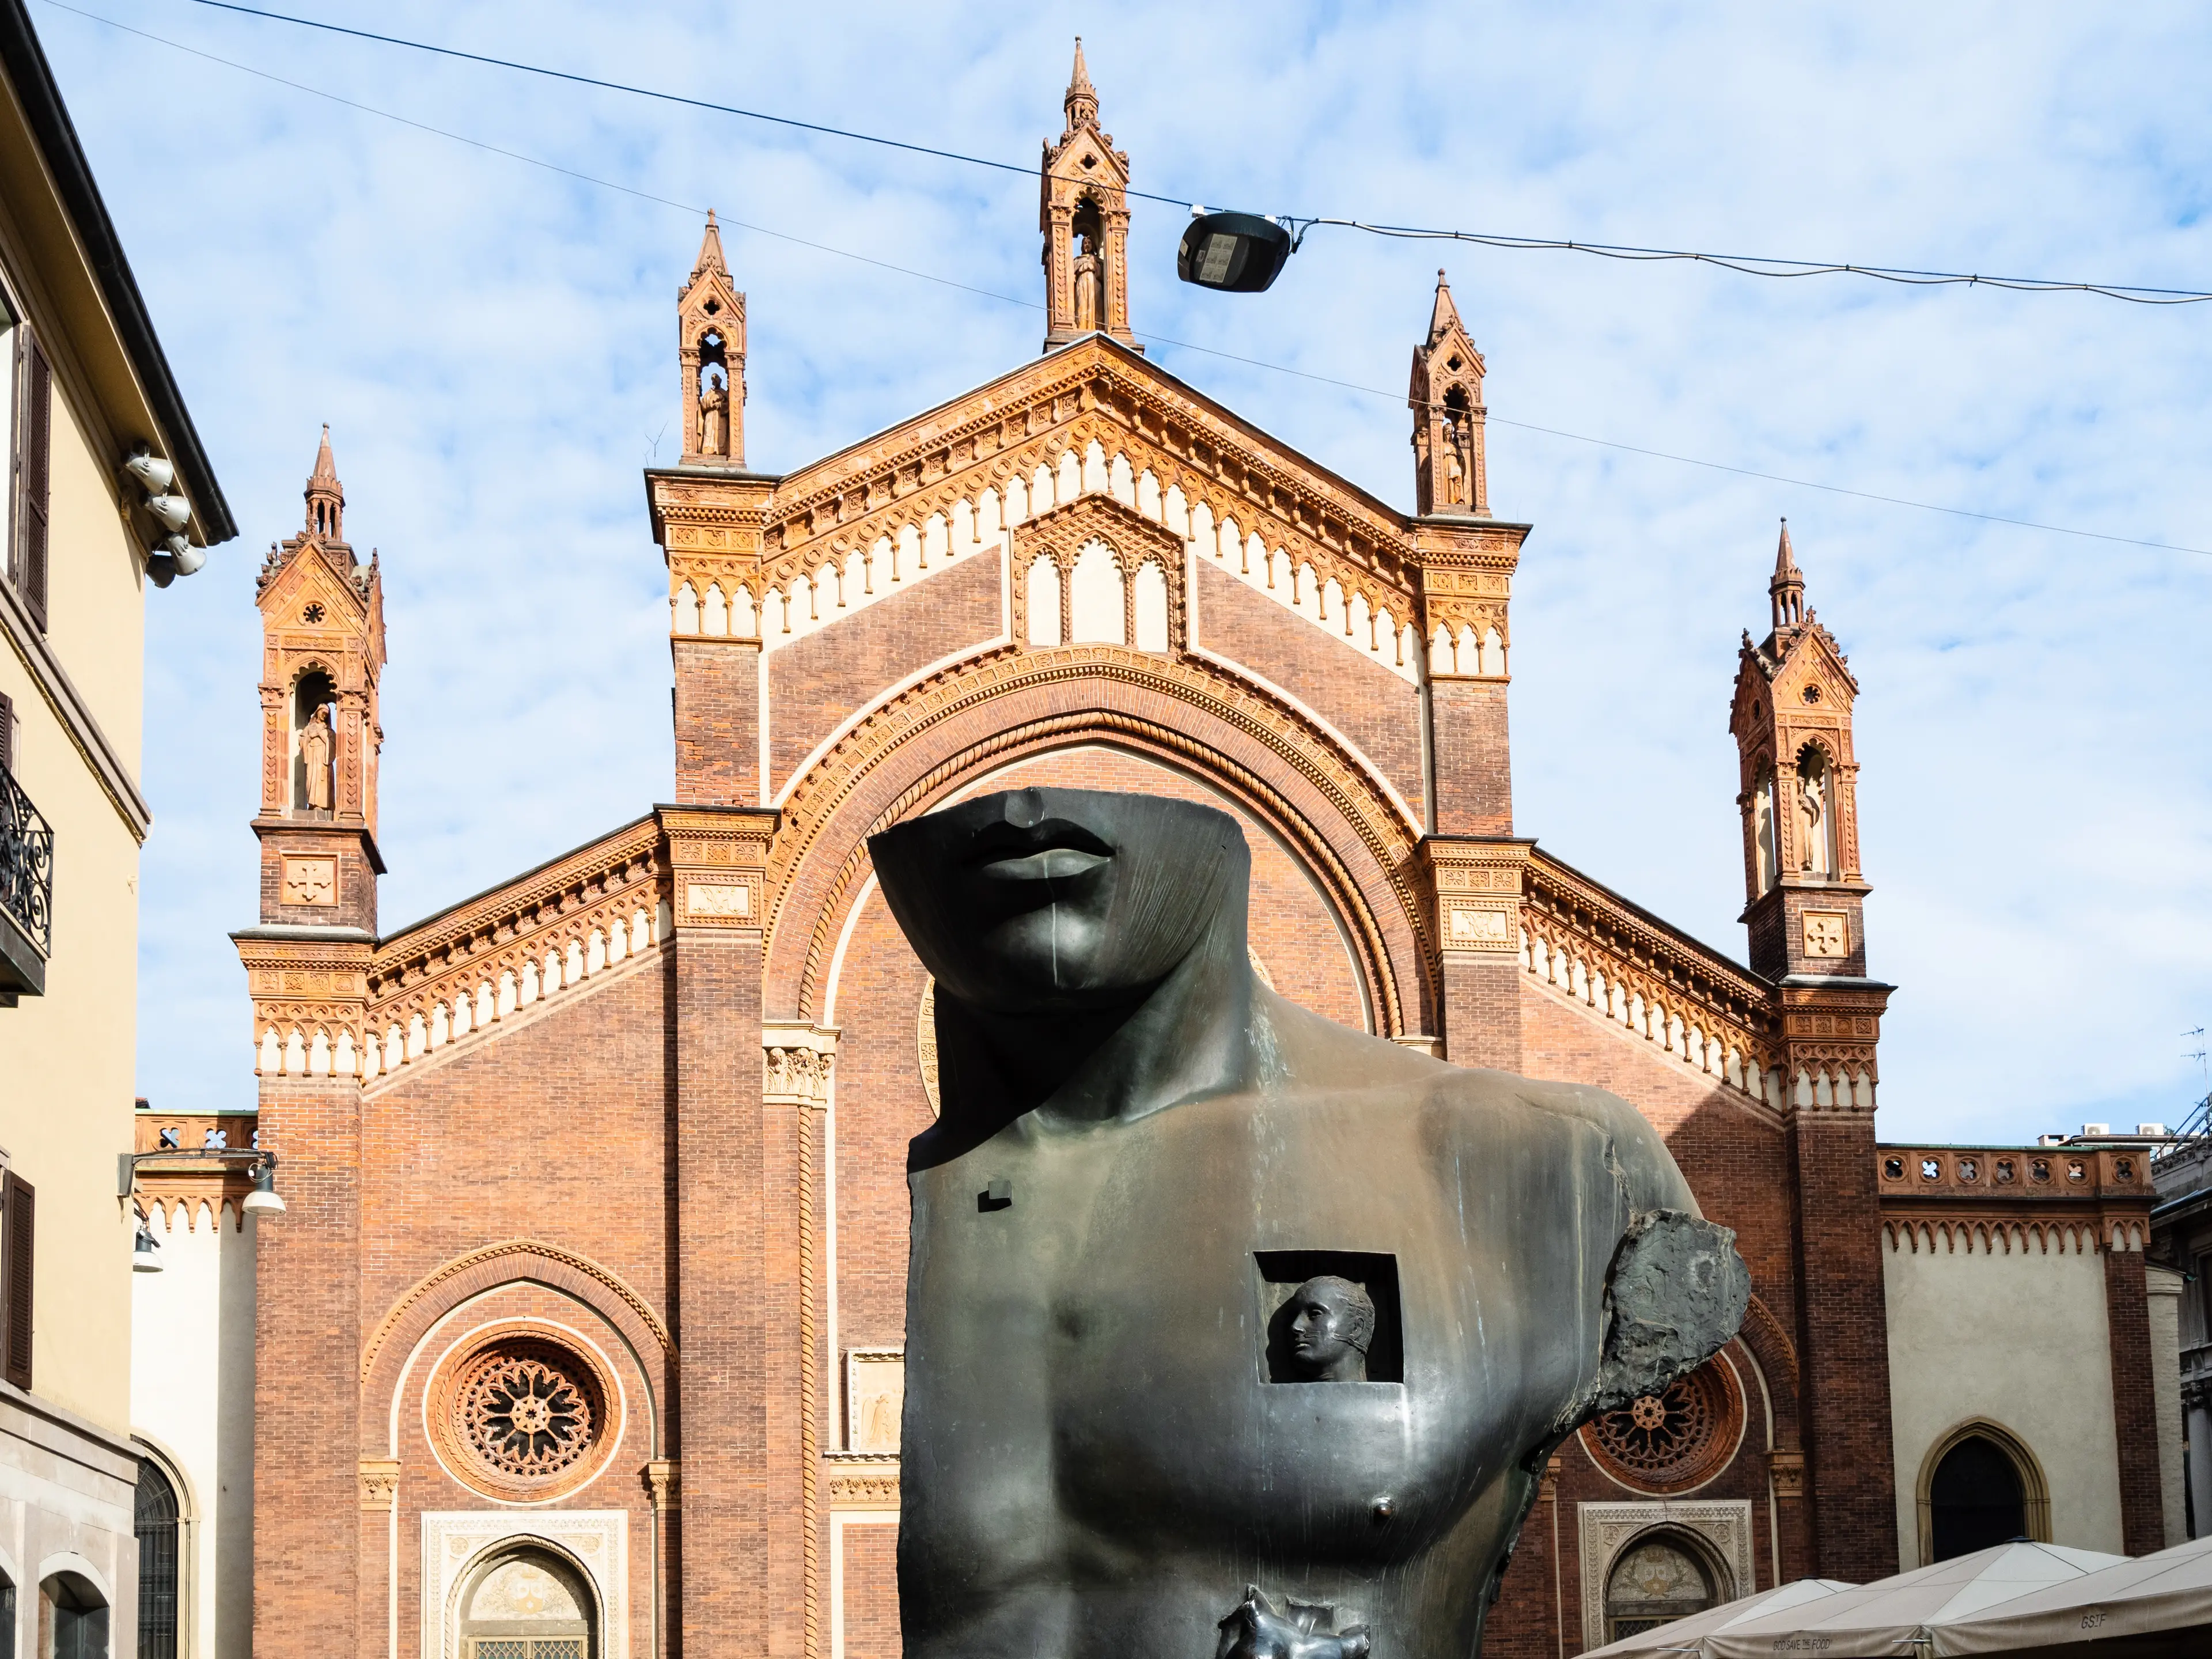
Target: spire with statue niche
[(1083, 211), (1791, 719), (322, 627), (711, 345), (1450, 471)]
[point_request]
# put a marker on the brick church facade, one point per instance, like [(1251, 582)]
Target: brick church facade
[(640, 1400)]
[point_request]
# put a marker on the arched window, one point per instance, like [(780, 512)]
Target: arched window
[(73, 1619), (527, 1604), (154, 1522), (1975, 1500), (1661, 1577), (1979, 1486)]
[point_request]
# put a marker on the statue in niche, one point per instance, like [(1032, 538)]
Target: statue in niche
[(1812, 823), (1090, 297), (714, 415), (1095, 1458), (1455, 473), (315, 745), (1762, 821), (1332, 1325)]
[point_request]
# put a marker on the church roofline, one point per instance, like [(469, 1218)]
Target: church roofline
[(1124, 357), (1719, 961), (387, 941)]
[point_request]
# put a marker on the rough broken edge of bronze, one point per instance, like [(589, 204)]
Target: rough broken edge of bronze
[(1654, 1333)]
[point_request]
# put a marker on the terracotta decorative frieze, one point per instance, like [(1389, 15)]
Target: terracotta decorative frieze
[(1596, 948)]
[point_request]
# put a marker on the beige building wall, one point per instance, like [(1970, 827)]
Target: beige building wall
[(68, 1056), (2017, 1338), (191, 1402), (2166, 1288)]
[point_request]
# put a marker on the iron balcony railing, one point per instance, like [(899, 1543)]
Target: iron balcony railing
[(27, 893)]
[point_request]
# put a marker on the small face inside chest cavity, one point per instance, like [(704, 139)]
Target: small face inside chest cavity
[(1330, 1316)]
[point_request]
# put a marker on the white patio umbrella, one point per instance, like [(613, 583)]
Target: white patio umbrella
[(1896, 1618), (1683, 1635), (2168, 1594)]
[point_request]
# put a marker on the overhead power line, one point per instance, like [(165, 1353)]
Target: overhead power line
[(1750, 264), (698, 211)]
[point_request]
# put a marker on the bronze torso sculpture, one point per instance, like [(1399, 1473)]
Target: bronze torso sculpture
[(1212, 1301)]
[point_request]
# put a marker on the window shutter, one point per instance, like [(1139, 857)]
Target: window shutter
[(33, 477), (18, 1245), (7, 732)]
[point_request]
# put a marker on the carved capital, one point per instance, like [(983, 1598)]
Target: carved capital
[(1787, 1470), (661, 1480), (799, 1059), (719, 859), (1478, 886), (379, 1483)]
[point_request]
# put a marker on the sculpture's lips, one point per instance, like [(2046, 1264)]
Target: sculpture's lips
[(1052, 849)]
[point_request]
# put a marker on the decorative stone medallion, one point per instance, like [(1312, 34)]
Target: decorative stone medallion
[(522, 1414), (1674, 1440)]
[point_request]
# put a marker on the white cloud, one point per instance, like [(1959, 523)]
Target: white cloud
[(493, 347)]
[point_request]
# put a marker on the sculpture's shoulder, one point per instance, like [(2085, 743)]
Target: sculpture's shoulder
[(1631, 1145), (1321, 1056)]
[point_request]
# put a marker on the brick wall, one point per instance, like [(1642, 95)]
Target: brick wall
[(2134, 1406), (1844, 1344), (1473, 767), (817, 681), (1364, 700), (306, 1512), (717, 715), (871, 1574)]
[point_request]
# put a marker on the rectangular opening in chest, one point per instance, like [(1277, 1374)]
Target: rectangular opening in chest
[(1280, 1274)]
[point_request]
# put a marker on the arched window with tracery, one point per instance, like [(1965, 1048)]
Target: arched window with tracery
[(527, 1603), (154, 1522), (1660, 1577)]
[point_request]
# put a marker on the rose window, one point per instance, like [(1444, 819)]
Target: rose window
[(1679, 1436), (528, 1414)]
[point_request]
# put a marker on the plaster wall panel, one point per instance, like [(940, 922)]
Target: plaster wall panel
[(1960, 1323)]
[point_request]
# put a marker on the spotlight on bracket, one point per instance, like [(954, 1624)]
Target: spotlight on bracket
[(171, 512), (1236, 253), (153, 474)]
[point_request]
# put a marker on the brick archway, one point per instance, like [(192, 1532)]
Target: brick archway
[(389, 1346), (1316, 798)]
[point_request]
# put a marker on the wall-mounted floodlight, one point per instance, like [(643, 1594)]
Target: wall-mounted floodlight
[(172, 512), (260, 1165), (1236, 253), (145, 1251), (153, 474)]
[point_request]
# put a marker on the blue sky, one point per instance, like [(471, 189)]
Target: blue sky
[(493, 345)]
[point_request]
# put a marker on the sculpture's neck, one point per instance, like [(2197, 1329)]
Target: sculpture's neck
[(1185, 1038)]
